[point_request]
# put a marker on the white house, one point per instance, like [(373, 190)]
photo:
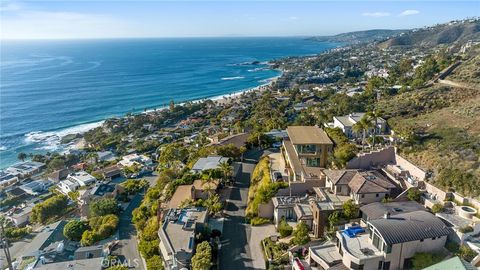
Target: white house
[(82, 178), (346, 123), (67, 186), (132, 159)]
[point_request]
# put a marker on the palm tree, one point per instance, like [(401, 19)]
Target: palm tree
[(363, 126), (226, 169), (373, 116), (22, 156)]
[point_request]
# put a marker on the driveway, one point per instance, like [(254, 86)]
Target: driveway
[(257, 234), (235, 253)]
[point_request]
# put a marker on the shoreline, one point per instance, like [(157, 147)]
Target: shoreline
[(50, 141)]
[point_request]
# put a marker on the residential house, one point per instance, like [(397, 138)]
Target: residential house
[(135, 159), (19, 216), (25, 169), (208, 163), (377, 210), (58, 175), (67, 186), (106, 156), (387, 243), (82, 178), (306, 150), (177, 236), (346, 123), (198, 190), (89, 252), (362, 186), (36, 187), (7, 180)]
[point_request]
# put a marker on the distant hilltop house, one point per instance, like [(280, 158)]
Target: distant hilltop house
[(208, 163), (74, 181), (306, 150), (177, 236), (106, 156), (346, 123), (389, 242)]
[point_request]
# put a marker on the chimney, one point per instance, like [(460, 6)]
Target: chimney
[(386, 215)]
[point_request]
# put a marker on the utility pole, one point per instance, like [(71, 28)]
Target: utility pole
[(4, 243)]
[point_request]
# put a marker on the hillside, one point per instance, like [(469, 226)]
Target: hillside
[(440, 127), (449, 33), (360, 36)]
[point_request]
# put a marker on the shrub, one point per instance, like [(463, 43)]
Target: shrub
[(14, 234), (102, 207), (148, 248), (423, 260), (467, 253), (350, 209), (465, 229), (154, 263), (51, 208), (414, 194), (74, 229), (202, 260), (257, 221), (437, 208), (300, 235), (284, 228)]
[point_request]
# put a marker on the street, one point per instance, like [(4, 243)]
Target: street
[(128, 247), (235, 253)]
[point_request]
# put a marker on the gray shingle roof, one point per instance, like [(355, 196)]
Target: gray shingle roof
[(411, 226), (377, 210)]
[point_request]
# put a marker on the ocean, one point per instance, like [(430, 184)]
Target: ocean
[(52, 88)]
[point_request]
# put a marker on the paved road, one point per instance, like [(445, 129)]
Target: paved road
[(235, 252), (127, 234)]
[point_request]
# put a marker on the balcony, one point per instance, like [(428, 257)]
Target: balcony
[(359, 247)]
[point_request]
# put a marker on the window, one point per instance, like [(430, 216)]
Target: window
[(363, 196), (433, 238), (356, 266), (376, 195), (386, 266), (421, 240), (339, 189), (389, 249), (313, 162)]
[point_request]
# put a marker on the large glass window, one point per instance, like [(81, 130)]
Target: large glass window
[(306, 148), (313, 162)]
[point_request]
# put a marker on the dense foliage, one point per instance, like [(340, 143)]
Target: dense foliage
[(49, 209)]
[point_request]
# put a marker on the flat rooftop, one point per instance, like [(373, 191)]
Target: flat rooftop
[(359, 246), (327, 252), (307, 135), (179, 228)]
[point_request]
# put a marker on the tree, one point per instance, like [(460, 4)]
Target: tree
[(50, 208), (350, 209), (226, 170), (74, 229), (22, 156), (104, 206), (154, 263), (373, 116), (213, 204), (333, 220), (284, 228), (88, 238), (363, 126), (423, 260), (300, 234), (413, 194), (202, 260), (56, 164)]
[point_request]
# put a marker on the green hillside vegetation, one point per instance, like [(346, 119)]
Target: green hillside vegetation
[(469, 71), (440, 128)]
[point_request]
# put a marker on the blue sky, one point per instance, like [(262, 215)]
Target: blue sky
[(111, 19)]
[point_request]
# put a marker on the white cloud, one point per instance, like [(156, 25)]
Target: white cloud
[(409, 12), (10, 6), (293, 18), (376, 14)]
